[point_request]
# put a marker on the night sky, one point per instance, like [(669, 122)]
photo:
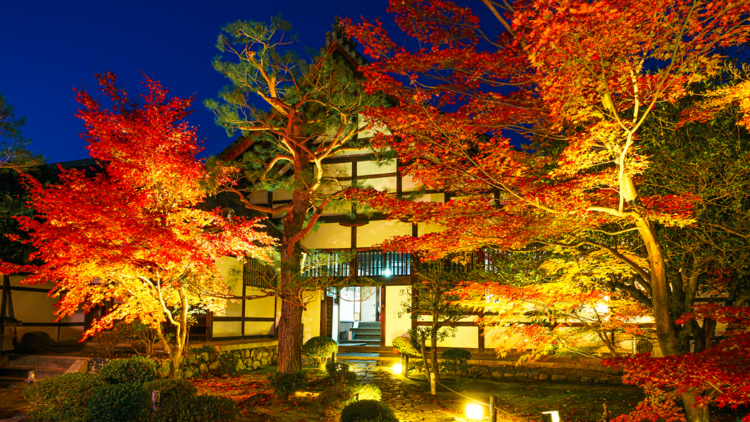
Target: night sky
[(50, 47)]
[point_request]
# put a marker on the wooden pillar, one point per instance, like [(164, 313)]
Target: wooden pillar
[(242, 318), (209, 325), (6, 293), (414, 278), (382, 316)]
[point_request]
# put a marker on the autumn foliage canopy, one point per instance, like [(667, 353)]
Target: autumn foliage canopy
[(133, 230)]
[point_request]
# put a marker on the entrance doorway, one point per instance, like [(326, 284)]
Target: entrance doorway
[(359, 316)]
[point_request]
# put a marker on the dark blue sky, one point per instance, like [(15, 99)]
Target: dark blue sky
[(49, 47)]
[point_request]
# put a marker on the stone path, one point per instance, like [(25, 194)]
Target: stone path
[(408, 398)]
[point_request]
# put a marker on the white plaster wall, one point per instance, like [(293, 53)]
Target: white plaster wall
[(376, 232), (311, 317), (365, 168), (369, 304), (329, 236), (37, 307), (231, 272), (346, 307), (395, 326)]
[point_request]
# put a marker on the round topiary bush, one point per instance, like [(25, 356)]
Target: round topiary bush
[(333, 399), (405, 347), (135, 369), (126, 402), (284, 385), (320, 349), (369, 411), (63, 398), (34, 342)]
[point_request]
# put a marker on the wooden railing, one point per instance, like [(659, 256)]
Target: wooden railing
[(362, 263), (370, 262), (365, 262)]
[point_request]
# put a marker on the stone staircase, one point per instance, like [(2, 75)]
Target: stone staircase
[(365, 334)]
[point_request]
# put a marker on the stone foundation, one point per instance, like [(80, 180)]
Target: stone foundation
[(221, 362)]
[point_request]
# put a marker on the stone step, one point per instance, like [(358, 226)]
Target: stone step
[(367, 341), (366, 331), (366, 336), (369, 325)]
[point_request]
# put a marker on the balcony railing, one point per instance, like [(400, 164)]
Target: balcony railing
[(366, 262), (372, 262), (363, 263)]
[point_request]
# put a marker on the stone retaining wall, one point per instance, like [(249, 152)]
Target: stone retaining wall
[(222, 360), (225, 361)]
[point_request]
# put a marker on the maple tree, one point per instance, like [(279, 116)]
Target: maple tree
[(579, 80), (434, 297), (314, 114), (534, 305), (133, 231)]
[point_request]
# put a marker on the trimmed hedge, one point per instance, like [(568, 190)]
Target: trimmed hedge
[(205, 408), (368, 411), (125, 402), (63, 398), (34, 342), (137, 369)]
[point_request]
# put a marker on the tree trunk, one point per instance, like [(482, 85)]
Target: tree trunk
[(290, 338), (694, 414), (433, 353), (290, 325), (424, 355), (666, 332)]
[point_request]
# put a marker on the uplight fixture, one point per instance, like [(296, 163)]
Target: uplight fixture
[(551, 416), (474, 412), (397, 368)]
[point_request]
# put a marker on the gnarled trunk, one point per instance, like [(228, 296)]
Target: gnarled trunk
[(290, 325), (290, 338)]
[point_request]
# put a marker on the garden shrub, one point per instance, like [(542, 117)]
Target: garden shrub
[(405, 347), (455, 361), (368, 411), (135, 369), (34, 342), (172, 390), (320, 349), (339, 371), (123, 402), (334, 398), (284, 385), (62, 398), (192, 408)]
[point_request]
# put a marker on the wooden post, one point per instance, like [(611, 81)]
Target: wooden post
[(433, 384), (606, 413), (405, 365), (493, 408)]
